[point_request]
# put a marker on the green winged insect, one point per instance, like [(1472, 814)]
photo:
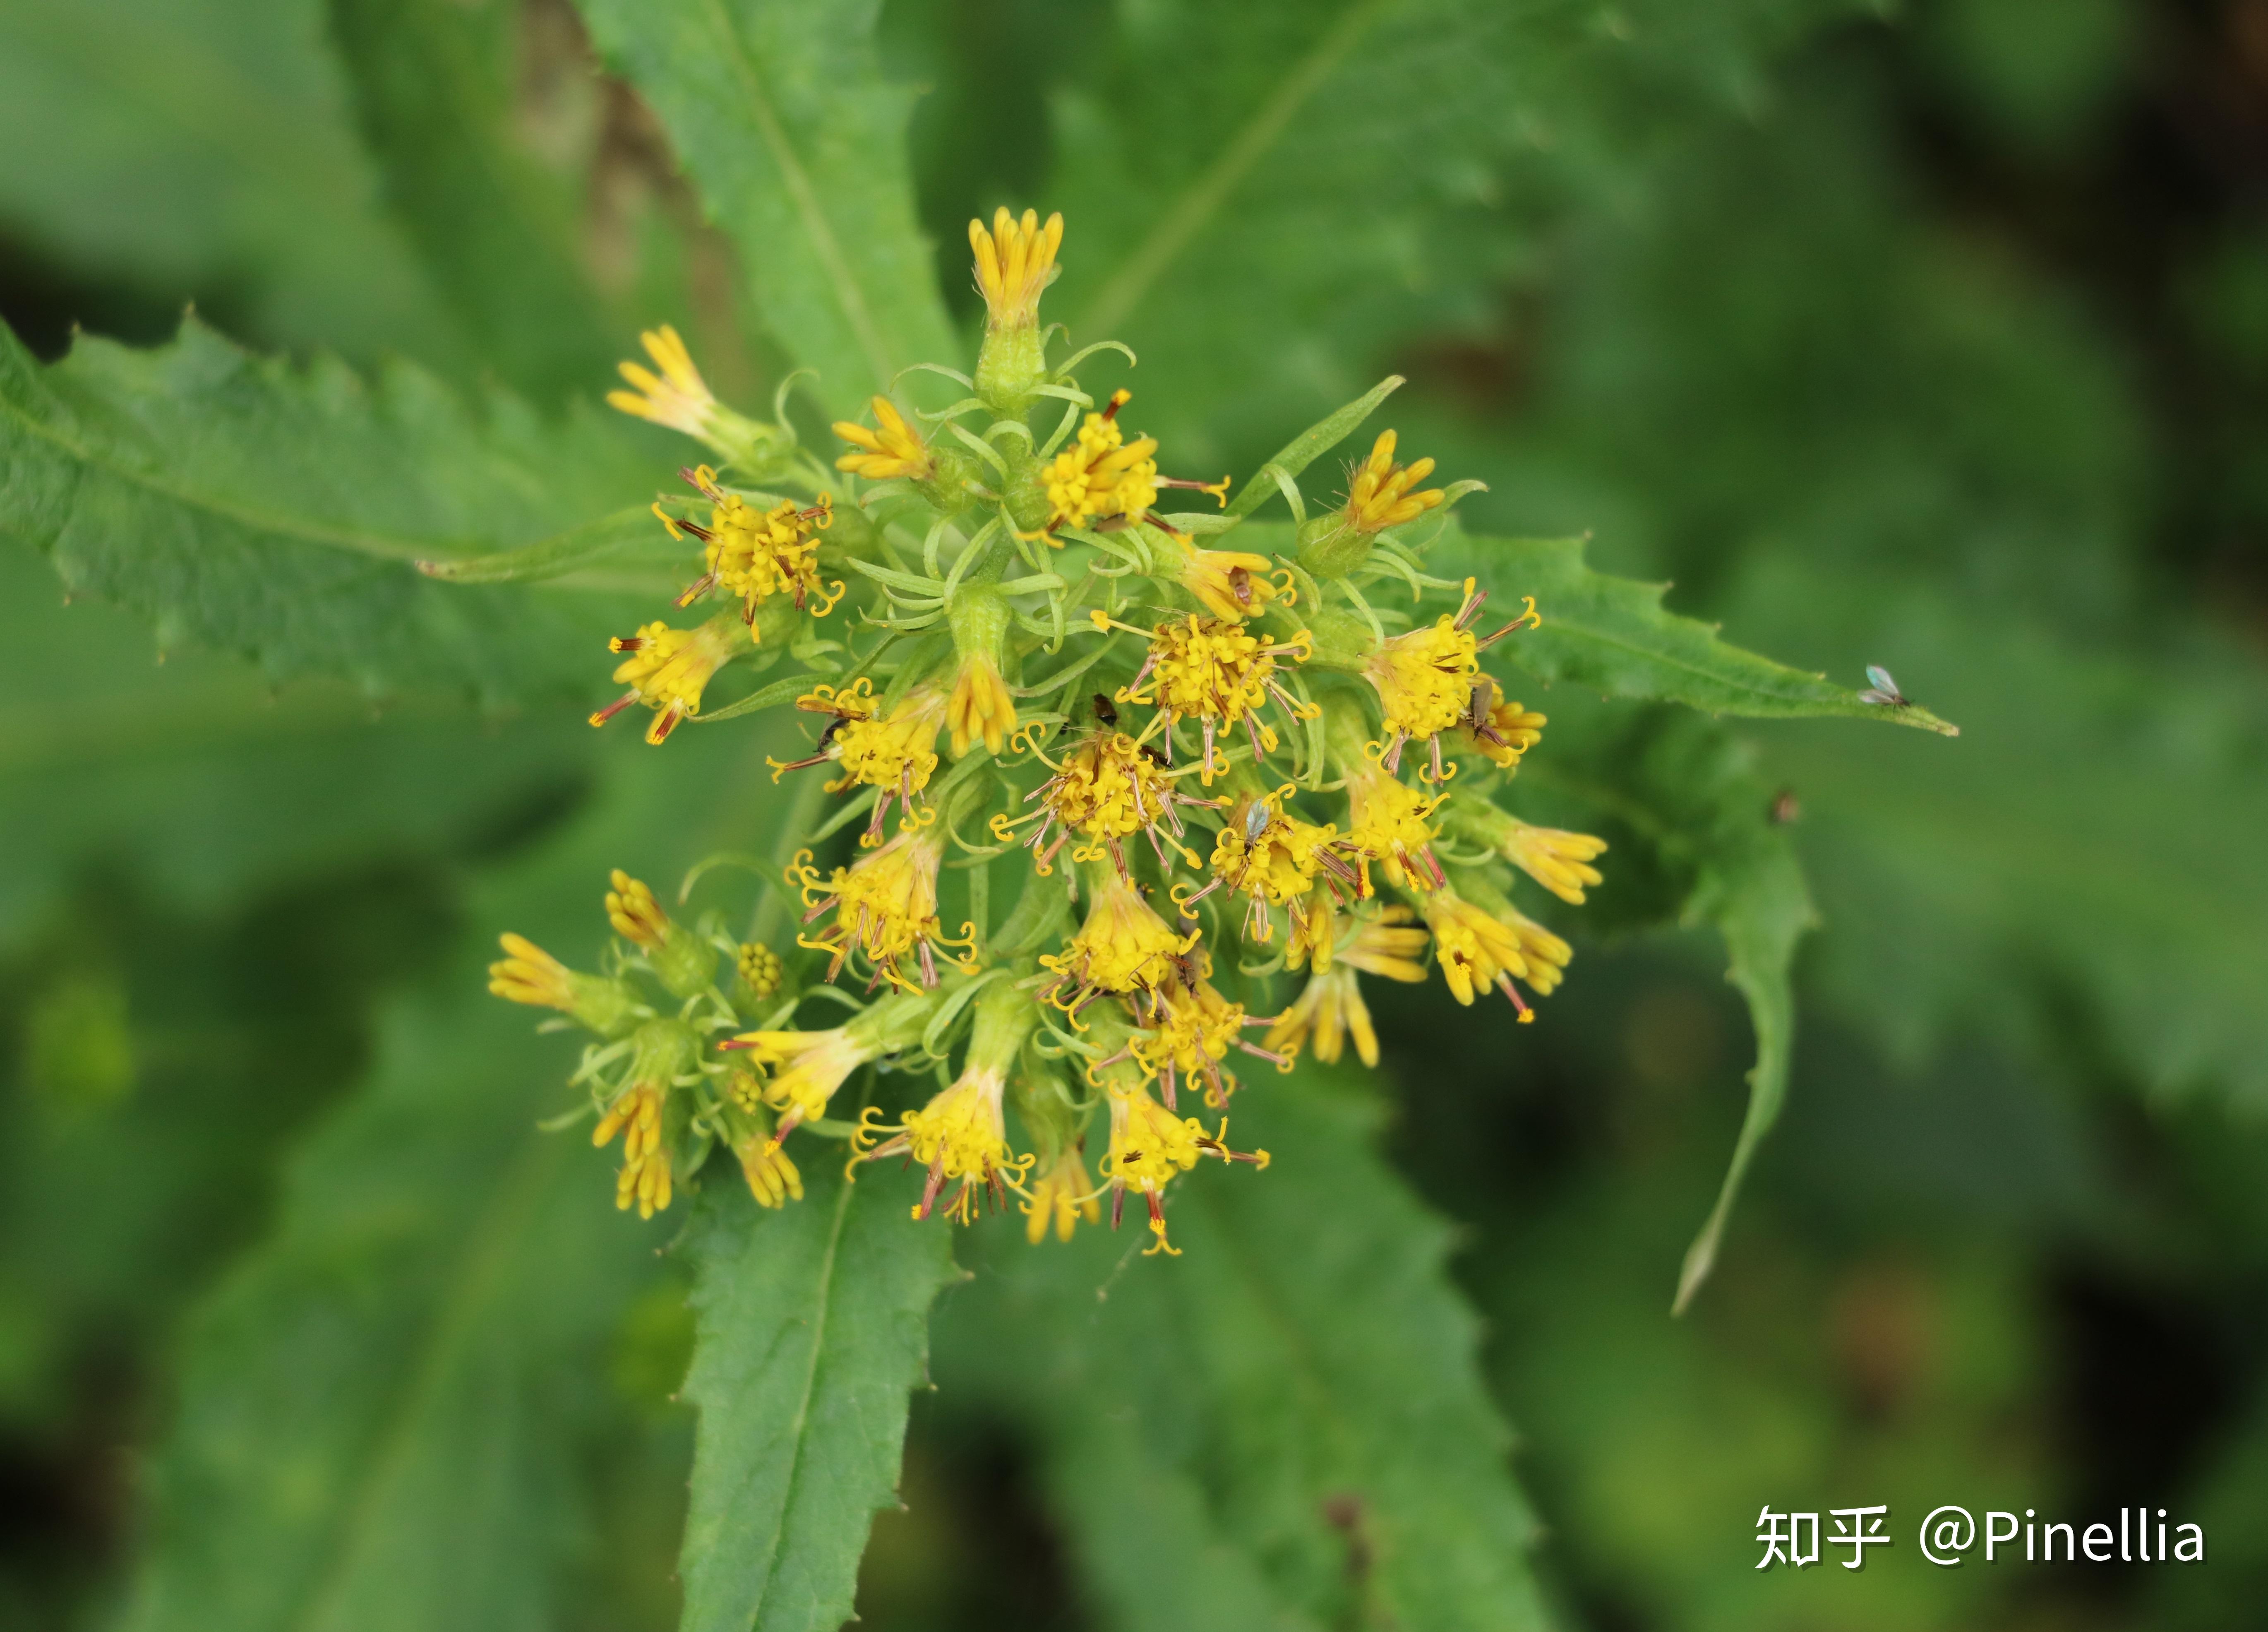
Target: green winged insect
[(1884, 691)]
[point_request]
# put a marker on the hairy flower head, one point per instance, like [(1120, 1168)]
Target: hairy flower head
[(980, 708), (646, 1176), (1388, 822), (885, 906), (1478, 950), (1059, 1198), (1150, 1145), (1329, 1007)]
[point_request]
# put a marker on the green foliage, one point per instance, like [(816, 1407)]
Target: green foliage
[(813, 1327), (380, 1409), (198, 781), (782, 116), (245, 505), (1613, 636), (1237, 174), (1285, 1426), (202, 147), (2047, 850), (434, 87)]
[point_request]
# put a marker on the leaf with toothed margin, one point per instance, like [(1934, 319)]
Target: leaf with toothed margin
[(813, 1330), (1290, 1414), (248, 504), (799, 147), (1613, 636)]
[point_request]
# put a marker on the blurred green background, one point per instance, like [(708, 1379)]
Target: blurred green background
[(1934, 335)]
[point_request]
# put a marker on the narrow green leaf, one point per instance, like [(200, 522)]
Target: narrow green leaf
[(813, 1329), (1697, 839), (1309, 446), (781, 112), (1613, 636), (1300, 1387), (434, 85), (249, 506)]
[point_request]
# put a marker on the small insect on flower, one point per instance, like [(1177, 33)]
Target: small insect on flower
[(1210, 669), (1273, 858), (1884, 691), (1426, 679), (1149, 1146)]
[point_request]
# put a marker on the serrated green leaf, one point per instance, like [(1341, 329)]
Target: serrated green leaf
[(1695, 828), (203, 149), (813, 1330), (1613, 636), (196, 781), (1303, 1372), (2099, 824), (380, 1411), (782, 116), (1260, 198), (434, 88), (252, 506)]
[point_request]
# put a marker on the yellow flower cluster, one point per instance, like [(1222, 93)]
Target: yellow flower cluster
[(1032, 659)]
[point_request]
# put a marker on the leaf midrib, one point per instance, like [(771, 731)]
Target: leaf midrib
[(824, 1306), (497, 1236), (1202, 197), (849, 294)]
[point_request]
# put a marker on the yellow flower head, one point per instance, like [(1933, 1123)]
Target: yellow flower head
[(891, 448), (528, 974), (1390, 822), (1479, 950), (981, 707), (1149, 1145), (667, 669), (1378, 495), (1501, 730), (634, 912), (1101, 474), (646, 1175), (679, 398), (1425, 678), (761, 970), (1191, 1030), (1233, 584), (1554, 858), (1122, 947), (959, 1136), (1211, 668), (1330, 1005), (1015, 263), (772, 1178), (1271, 857), (1060, 1198), (815, 1064), (885, 906), (896, 751), (753, 555), (1107, 787)]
